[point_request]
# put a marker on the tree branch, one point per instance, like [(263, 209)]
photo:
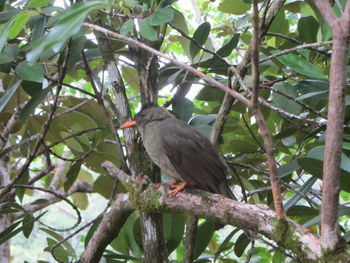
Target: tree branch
[(257, 218), (336, 111), (269, 148), (108, 229)]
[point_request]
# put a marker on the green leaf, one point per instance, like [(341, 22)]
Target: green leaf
[(38, 3), (60, 252), (308, 28), (29, 108), (27, 224), (287, 169), (20, 22), (57, 237), (174, 227), (10, 207), (104, 186), (183, 108), (179, 21), (72, 175), (147, 31), (91, 231), (9, 54), (34, 72), (11, 231), (8, 95), (204, 233), (241, 244), (68, 24), (313, 164), (4, 31), (284, 102), (226, 49), (127, 27), (237, 7), (299, 64), (203, 124), (209, 93), (22, 180), (300, 210), (38, 29), (161, 16), (200, 35), (31, 87), (300, 193)]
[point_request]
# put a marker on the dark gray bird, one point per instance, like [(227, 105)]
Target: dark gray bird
[(180, 151)]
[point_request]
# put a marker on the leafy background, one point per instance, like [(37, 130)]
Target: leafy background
[(33, 37)]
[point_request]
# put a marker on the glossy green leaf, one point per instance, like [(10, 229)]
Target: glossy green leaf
[(34, 72), (9, 54), (183, 108), (38, 29), (287, 169), (58, 237), (31, 105), (8, 94), (179, 21), (10, 207), (237, 7), (22, 180), (27, 224), (11, 231), (200, 35), (209, 93), (38, 3), (300, 210), (72, 174), (104, 186), (226, 49), (313, 164), (300, 193), (20, 22), (283, 102), (241, 244), (174, 227), (4, 31), (203, 124), (60, 253), (161, 16), (68, 24), (299, 64), (308, 28), (147, 31), (203, 237), (126, 28)]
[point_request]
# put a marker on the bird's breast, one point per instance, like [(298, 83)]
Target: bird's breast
[(152, 142)]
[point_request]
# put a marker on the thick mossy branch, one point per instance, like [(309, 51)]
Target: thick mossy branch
[(144, 196)]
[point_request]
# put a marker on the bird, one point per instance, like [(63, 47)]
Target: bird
[(184, 154)]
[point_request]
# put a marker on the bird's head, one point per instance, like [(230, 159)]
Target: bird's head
[(148, 113)]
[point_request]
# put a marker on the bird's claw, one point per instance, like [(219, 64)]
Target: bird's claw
[(178, 188)]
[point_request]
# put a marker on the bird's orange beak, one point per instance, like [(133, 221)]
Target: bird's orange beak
[(128, 124)]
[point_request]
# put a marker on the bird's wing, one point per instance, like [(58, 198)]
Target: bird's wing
[(193, 156)]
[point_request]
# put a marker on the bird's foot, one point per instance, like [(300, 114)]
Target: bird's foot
[(174, 184), (178, 188), (158, 185)]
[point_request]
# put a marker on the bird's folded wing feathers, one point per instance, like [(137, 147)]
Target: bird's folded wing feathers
[(193, 156)]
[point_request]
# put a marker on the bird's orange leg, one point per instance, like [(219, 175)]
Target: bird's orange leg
[(173, 185), (178, 188)]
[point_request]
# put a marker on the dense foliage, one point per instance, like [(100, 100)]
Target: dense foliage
[(57, 108)]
